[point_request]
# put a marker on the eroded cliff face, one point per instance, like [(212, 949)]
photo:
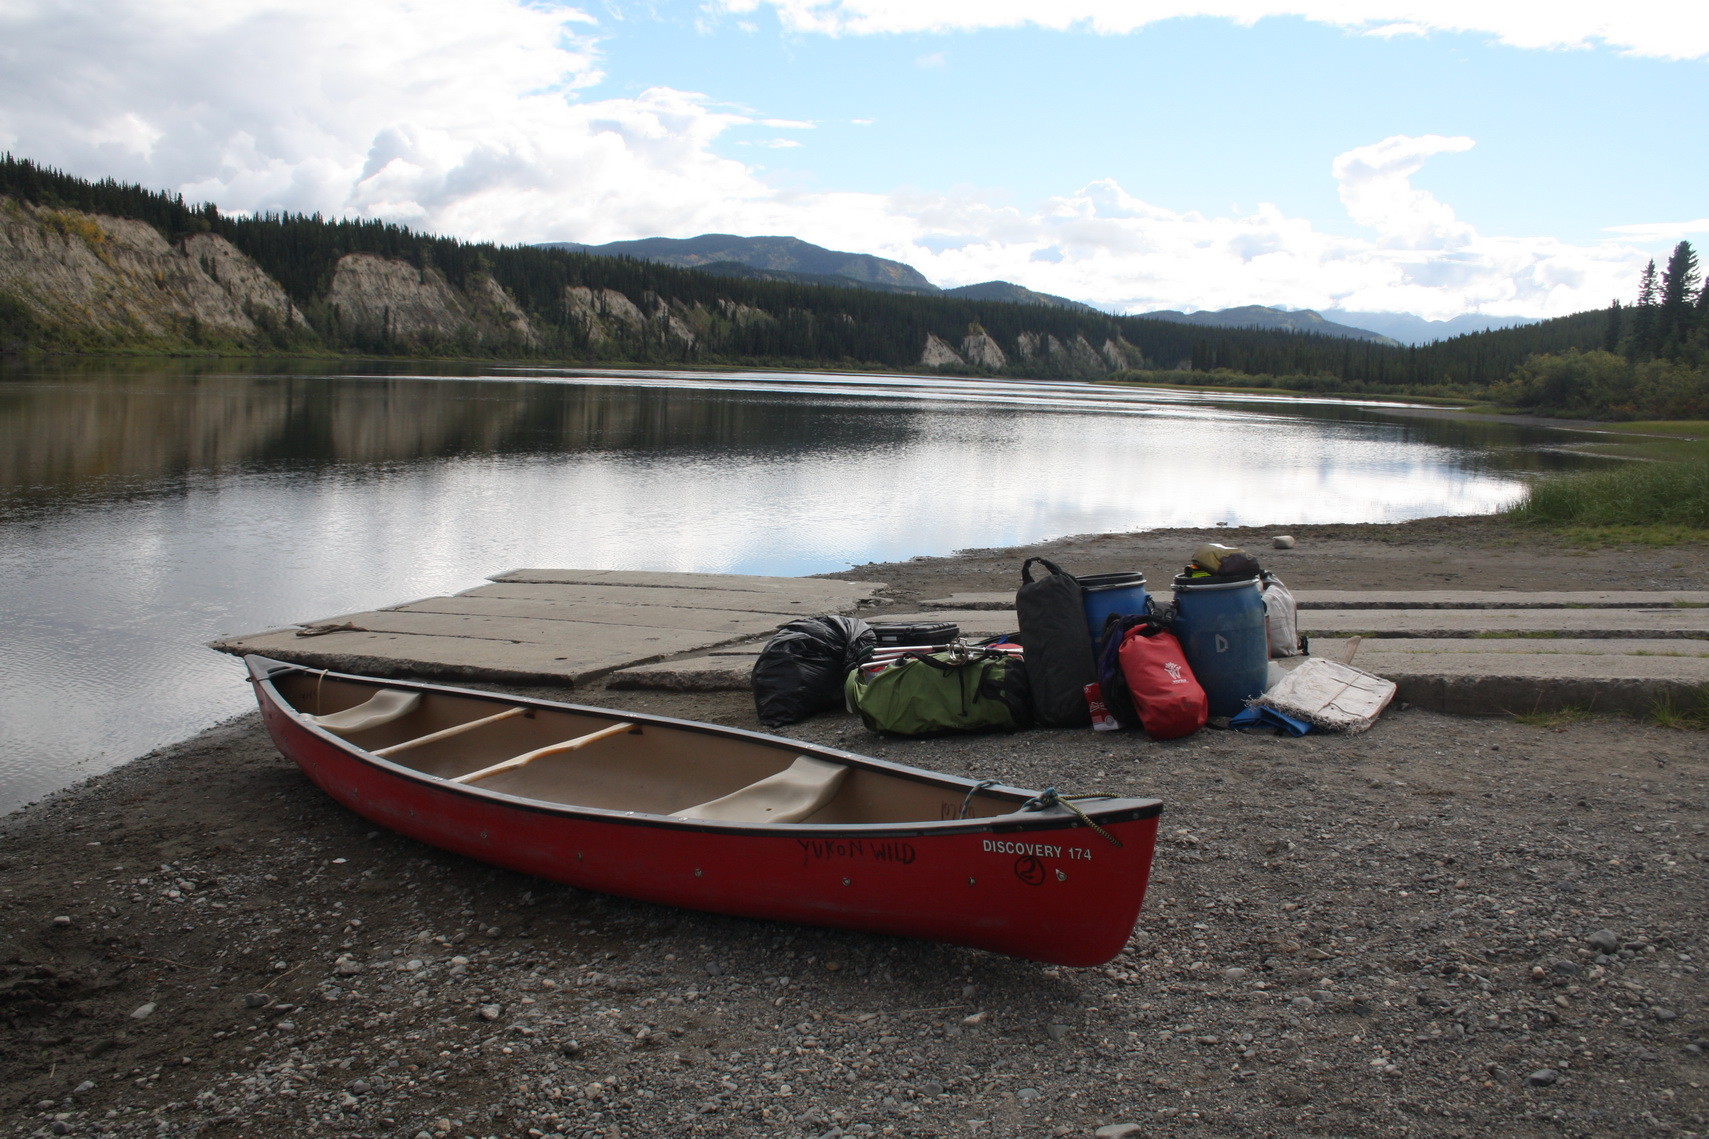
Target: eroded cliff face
[(414, 307), (108, 278), (937, 354), (982, 351), (609, 318), (84, 280)]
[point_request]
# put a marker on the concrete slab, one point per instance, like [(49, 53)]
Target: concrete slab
[(640, 616), (1413, 599), (466, 658), (1412, 647), (1479, 676), (828, 593), (1585, 623), (584, 625), (722, 671), (1499, 599), (562, 632), (811, 603)]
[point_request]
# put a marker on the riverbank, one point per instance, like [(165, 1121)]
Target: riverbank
[(1442, 927)]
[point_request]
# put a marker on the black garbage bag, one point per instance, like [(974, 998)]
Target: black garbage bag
[(801, 670)]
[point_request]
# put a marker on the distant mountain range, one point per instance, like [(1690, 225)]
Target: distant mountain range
[(790, 259), (1272, 319), (803, 263), (1409, 329), (782, 256)]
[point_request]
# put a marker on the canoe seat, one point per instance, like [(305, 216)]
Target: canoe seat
[(787, 797), (383, 707)]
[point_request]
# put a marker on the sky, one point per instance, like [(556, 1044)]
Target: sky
[(1436, 157)]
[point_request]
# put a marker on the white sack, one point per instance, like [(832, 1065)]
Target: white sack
[(1281, 618)]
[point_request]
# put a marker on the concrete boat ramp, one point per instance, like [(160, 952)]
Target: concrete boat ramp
[(562, 627), (1475, 653)]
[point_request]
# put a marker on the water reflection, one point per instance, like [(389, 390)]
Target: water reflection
[(145, 510)]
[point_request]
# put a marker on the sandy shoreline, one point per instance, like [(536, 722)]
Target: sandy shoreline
[(1396, 934)]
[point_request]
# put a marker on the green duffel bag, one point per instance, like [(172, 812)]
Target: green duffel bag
[(926, 695)]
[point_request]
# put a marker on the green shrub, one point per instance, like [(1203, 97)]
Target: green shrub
[(1601, 385), (1668, 494)]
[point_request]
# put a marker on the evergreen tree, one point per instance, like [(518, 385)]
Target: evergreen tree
[(1679, 280), (1644, 321), (1611, 338)]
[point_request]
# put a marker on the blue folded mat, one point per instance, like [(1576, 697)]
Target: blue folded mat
[(1261, 717)]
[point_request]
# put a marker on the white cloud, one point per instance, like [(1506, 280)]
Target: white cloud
[(1102, 245), (1376, 188), (1666, 29), (473, 118), (459, 115)]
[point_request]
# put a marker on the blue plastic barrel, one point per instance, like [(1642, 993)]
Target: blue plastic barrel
[(1102, 594), (1221, 629)]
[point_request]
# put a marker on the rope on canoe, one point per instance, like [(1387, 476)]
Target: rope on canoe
[(1050, 797), (972, 791)]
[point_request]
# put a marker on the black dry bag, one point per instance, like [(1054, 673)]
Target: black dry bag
[(801, 669), (1058, 646)]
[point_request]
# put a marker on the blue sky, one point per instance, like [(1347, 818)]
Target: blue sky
[(1197, 114), (1399, 155)]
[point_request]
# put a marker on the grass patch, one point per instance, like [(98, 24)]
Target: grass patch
[(1656, 503), (1690, 714)]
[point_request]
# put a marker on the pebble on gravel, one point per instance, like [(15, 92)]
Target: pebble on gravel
[(1542, 1077), (1283, 541), (143, 1012), (1603, 941), (1412, 887)]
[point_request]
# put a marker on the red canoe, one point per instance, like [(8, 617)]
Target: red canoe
[(720, 819)]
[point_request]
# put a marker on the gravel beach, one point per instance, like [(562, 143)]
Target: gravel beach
[(1443, 927)]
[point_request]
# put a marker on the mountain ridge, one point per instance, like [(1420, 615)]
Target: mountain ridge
[(1271, 320), (792, 260), (1416, 330), (776, 253)]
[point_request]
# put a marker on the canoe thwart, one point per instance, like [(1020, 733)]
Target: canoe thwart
[(447, 733), (787, 797), (527, 758), (382, 708)]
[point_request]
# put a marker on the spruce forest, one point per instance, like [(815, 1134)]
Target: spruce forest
[(1645, 359)]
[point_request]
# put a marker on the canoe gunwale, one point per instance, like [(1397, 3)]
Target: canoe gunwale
[(1113, 810)]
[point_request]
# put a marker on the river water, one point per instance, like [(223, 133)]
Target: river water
[(146, 508)]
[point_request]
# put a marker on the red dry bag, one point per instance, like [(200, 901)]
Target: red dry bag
[(1166, 695)]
